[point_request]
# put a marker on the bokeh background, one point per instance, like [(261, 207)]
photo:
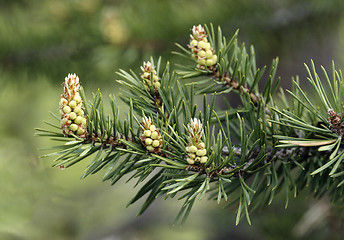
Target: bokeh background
[(42, 41)]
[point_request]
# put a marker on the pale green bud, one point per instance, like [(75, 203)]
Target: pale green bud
[(207, 46), (150, 148), (201, 62), (72, 116), (77, 99), (148, 141), (147, 133), (193, 43), (155, 135), (201, 145), (208, 54), (81, 113), (192, 149), (156, 143), (79, 120), (146, 75), (201, 44), (83, 121), (77, 110), (197, 159), (199, 153), (157, 85), (80, 131), (201, 53), (214, 58), (63, 121), (209, 62), (204, 159), (72, 104), (73, 127), (152, 128), (67, 109), (190, 161), (63, 101), (192, 155)]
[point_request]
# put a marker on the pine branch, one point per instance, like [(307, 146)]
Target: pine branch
[(172, 146)]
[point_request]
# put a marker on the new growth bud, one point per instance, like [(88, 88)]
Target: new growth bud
[(201, 49), (150, 137), (150, 76), (196, 149), (73, 120)]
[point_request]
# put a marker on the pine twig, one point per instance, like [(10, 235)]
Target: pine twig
[(233, 83)]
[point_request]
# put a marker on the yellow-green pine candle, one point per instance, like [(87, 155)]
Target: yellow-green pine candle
[(201, 49), (149, 75), (150, 137), (196, 151), (73, 120)]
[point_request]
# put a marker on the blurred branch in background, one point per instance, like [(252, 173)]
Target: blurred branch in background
[(315, 217), (50, 36), (41, 41)]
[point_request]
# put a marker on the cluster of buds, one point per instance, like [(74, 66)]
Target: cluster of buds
[(149, 75), (201, 48), (196, 149), (73, 120), (151, 137)]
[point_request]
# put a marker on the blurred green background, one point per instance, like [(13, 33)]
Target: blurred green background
[(42, 41)]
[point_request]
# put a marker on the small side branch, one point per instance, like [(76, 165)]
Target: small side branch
[(300, 152), (233, 83)]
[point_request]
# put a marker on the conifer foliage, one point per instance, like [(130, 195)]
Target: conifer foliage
[(174, 147)]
